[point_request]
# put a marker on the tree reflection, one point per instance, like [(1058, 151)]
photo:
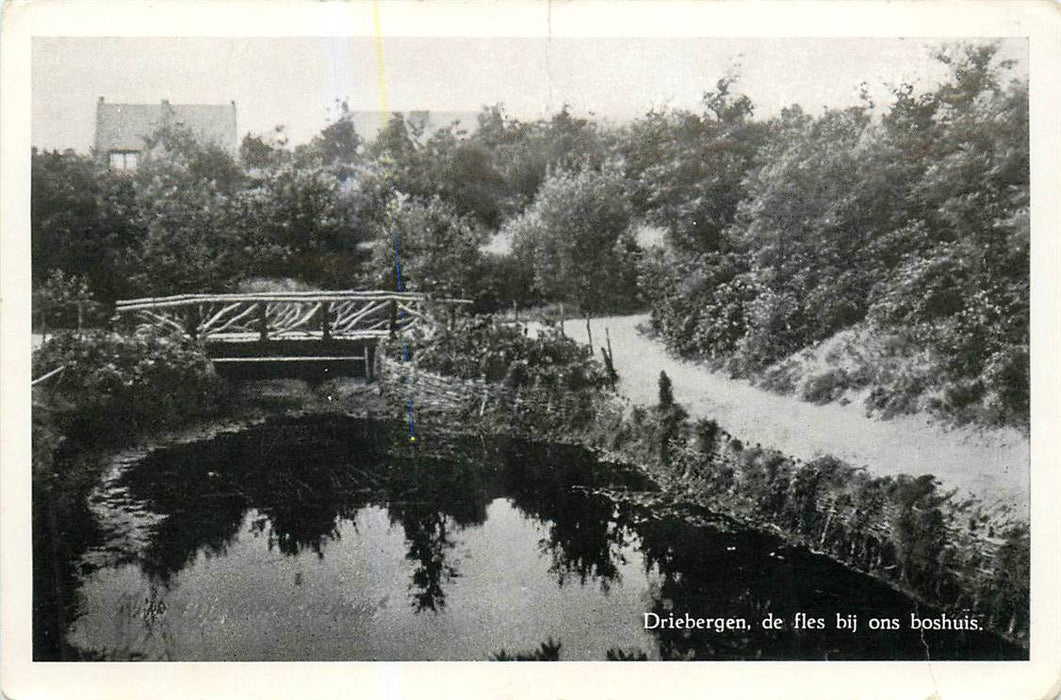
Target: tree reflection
[(587, 534), (304, 480), (301, 487), (584, 540), (427, 540), (431, 498), (707, 572)]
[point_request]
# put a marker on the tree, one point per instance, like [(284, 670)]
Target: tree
[(338, 144), (462, 172), (575, 235), (262, 151), (803, 225), (524, 153), (911, 222), (185, 203), (963, 288), (396, 145), (686, 169), (435, 248), (302, 220), (82, 221), (64, 301)]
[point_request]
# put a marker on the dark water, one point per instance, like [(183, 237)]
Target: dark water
[(336, 539)]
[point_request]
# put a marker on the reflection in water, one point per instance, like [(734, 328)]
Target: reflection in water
[(585, 540), (424, 497), (332, 538)]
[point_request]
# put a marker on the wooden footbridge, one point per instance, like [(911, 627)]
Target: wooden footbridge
[(272, 334)]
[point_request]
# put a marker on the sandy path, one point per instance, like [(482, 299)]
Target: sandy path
[(992, 465)]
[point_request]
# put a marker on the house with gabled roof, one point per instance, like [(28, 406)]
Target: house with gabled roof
[(123, 129)]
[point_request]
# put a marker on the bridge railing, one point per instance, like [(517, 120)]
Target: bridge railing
[(265, 316)]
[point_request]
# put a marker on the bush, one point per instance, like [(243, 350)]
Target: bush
[(700, 304), (826, 387), (117, 385), (483, 348), (66, 301)]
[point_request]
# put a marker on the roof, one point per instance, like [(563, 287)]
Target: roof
[(123, 127)]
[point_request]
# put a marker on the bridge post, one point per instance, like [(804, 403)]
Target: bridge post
[(263, 321), (192, 321), (326, 326)]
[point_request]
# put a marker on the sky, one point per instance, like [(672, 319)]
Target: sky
[(296, 82)]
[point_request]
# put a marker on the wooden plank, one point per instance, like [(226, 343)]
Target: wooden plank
[(283, 314), (362, 335), (409, 310), (269, 295), (306, 336)]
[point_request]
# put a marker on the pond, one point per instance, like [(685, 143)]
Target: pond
[(332, 538)]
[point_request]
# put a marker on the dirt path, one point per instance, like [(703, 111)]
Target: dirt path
[(992, 465)]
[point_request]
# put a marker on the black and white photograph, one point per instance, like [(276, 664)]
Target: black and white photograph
[(364, 346)]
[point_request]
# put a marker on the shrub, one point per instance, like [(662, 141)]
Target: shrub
[(779, 378), (66, 301), (118, 385), (826, 387), (546, 651), (1010, 591), (919, 529), (483, 348)]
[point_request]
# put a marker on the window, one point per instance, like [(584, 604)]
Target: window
[(123, 160)]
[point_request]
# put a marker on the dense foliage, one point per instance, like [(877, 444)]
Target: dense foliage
[(435, 247), (914, 224), (114, 386), (905, 223), (575, 237)]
